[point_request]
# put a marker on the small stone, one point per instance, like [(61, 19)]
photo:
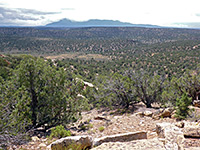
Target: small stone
[(141, 122), (153, 133), (173, 116), (35, 138), (156, 117), (42, 145), (31, 143), (179, 124), (139, 114), (44, 140), (148, 113)]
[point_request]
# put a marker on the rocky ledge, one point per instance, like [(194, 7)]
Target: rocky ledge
[(169, 137), (86, 142)]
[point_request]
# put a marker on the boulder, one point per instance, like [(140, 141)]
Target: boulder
[(191, 129), (172, 135), (42, 145), (145, 113), (167, 112), (148, 113), (156, 115), (35, 138), (125, 137), (173, 115), (139, 114), (73, 142)]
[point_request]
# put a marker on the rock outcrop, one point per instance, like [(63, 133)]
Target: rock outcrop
[(125, 137), (74, 142), (192, 132), (191, 129), (150, 144), (162, 113), (81, 142), (172, 136)]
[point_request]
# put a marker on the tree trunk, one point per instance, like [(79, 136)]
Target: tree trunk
[(148, 103), (127, 104), (33, 100), (33, 107)]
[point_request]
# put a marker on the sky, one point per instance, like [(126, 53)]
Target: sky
[(181, 13)]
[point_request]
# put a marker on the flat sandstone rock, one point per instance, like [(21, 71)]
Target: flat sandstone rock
[(145, 144), (125, 137)]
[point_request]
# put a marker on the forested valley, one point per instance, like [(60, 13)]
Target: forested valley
[(48, 76)]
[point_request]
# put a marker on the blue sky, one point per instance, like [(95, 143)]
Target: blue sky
[(180, 13)]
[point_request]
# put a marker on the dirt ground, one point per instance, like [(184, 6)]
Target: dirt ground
[(98, 123)]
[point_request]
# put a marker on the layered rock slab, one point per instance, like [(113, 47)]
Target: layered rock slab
[(76, 142), (125, 137), (83, 142)]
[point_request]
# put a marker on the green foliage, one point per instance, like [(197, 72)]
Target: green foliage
[(170, 93), (101, 128), (116, 91), (147, 88), (189, 83), (164, 51), (90, 125), (182, 109), (4, 69), (59, 132), (39, 94)]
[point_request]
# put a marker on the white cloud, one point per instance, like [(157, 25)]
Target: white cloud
[(158, 12)]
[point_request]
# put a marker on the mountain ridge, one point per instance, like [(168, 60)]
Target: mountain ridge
[(96, 23)]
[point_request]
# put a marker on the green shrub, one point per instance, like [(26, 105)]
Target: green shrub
[(182, 109), (90, 125), (59, 132), (101, 129)]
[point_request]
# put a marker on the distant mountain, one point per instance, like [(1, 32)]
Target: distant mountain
[(96, 23), (194, 25)]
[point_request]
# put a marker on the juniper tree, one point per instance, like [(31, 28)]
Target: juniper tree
[(38, 94)]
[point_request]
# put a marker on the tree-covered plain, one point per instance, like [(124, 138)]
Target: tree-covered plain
[(168, 51)]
